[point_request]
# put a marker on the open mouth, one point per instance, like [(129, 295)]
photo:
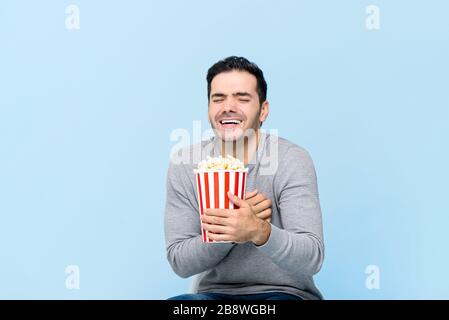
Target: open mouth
[(230, 123)]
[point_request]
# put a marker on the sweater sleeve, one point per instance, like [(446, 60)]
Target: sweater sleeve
[(298, 246), (186, 252)]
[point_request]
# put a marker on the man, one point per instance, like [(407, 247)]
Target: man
[(275, 242)]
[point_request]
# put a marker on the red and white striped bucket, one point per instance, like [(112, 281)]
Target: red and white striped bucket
[(212, 189)]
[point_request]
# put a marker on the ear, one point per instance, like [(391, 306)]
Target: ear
[(264, 110)]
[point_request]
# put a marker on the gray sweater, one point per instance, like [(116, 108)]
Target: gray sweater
[(294, 251)]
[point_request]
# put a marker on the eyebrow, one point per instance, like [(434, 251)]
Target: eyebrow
[(242, 94), (218, 95), (238, 94)]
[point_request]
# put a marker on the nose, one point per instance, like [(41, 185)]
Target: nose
[(230, 105)]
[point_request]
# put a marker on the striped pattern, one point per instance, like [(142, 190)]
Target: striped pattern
[(212, 189)]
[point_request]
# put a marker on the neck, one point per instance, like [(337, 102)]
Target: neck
[(243, 149)]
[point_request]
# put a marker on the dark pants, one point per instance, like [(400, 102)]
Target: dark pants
[(242, 297)]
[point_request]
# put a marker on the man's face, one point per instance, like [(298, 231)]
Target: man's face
[(234, 105)]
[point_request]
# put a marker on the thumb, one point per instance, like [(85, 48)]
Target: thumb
[(237, 201)]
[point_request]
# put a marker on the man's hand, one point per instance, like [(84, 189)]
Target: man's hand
[(261, 205), (236, 225)]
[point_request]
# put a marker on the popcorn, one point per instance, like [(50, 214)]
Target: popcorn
[(220, 163), (214, 178)]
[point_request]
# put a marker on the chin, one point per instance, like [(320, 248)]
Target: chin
[(230, 136)]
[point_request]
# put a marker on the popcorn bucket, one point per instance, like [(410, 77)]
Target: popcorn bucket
[(212, 189)]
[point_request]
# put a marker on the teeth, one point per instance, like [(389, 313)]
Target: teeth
[(230, 121)]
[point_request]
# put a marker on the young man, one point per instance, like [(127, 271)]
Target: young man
[(275, 237)]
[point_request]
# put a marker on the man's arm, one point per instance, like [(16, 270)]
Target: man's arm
[(297, 248), (186, 252)]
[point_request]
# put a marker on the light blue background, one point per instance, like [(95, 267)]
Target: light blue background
[(85, 119)]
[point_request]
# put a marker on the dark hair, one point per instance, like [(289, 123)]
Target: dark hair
[(241, 64)]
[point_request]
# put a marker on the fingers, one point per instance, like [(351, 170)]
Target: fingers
[(215, 229), (219, 237), (224, 213), (237, 201), (265, 204), (265, 215), (251, 194), (214, 220), (256, 199)]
